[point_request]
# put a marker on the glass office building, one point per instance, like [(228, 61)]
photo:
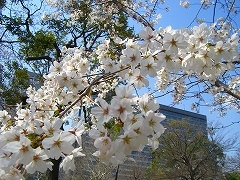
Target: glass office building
[(194, 119), (130, 170)]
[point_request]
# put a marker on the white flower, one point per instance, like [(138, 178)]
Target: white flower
[(131, 119), (22, 151), (127, 142), (82, 66), (59, 143), (138, 79), (154, 119), (204, 58), (5, 159), (39, 162), (9, 136), (76, 85), (201, 33), (102, 112), (118, 40), (121, 108), (105, 157), (146, 103), (220, 51), (109, 65), (99, 132), (56, 68), (154, 141), (124, 92), (167, 60), (68, 163), (103, 143), (68, 160), (44, 16), (50, 127), (149, 37), (159, 16), (102, 48), (172, 42), (148, 67), (132, 44), (77, 131), (143, 130), (185, 4), (131, 57), (63, 80), (12, 174), (4, 117)]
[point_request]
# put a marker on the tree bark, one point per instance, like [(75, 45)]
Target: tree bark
[(116, 175), (233, 92), (54, 174)]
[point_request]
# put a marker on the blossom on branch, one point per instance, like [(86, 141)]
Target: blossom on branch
[(97, 91)]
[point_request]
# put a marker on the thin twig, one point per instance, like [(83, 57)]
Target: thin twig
[(196, 15)]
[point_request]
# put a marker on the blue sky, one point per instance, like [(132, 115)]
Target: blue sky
[(179, 17)]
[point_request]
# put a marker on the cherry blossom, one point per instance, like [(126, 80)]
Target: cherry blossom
[(22, 151), (103, 143), (102, 113), (58, 144), (4, 117), (11, 174), (185, 4), (39, 162), (51, 127), (131, 57), (173, 42), (68, 161), (122, 120), (127, 142), (121, 108), (149, 37), (138, 79), (149, 67), (146, 103)]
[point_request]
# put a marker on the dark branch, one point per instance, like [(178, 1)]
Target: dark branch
[(27, 19), (9, 42), (135, 15), (58, 50), (196, 15), (39, 58), (233, 92)]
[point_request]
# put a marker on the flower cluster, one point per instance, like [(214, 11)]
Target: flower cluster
[(121, 120), (135, 124)]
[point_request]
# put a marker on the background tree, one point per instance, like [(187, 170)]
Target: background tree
[(15, 91), (35, 43), (232, 176), (186, 153), (232, 166)]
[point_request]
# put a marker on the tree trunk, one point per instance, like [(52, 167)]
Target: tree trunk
[(116, 175), (53, 175)]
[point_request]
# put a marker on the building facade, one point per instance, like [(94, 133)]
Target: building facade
[(197, 120), (137, 170)]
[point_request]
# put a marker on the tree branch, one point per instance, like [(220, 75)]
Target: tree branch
[(57, 49), (233, 92), (138, 18), (84, 93), (39, 58)]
